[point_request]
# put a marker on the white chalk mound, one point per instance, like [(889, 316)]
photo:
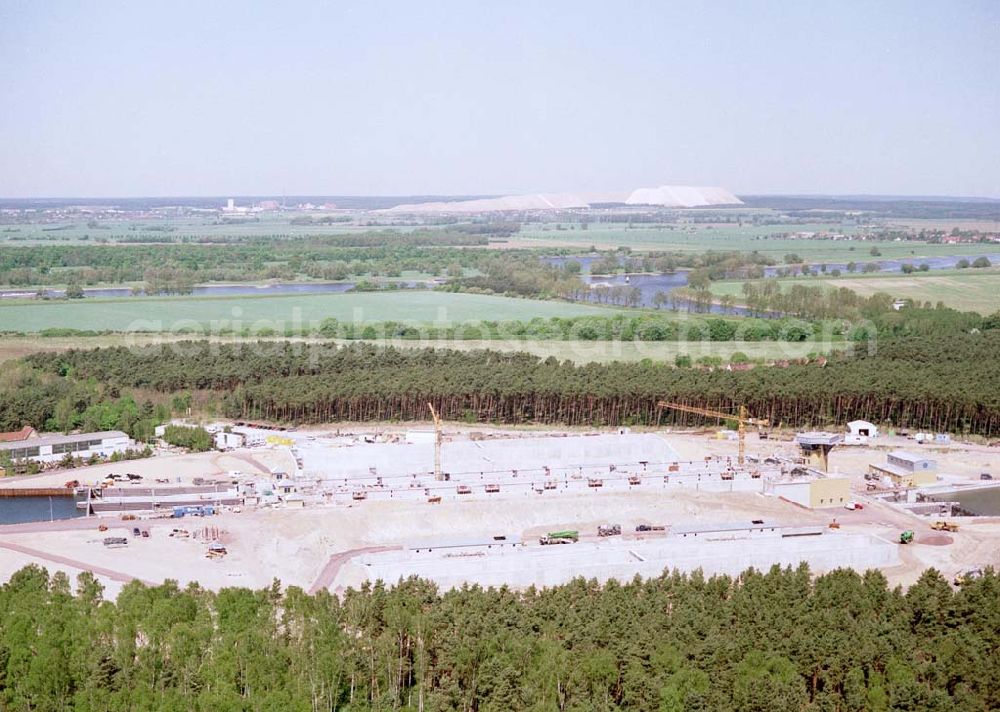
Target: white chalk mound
[(670, 196)]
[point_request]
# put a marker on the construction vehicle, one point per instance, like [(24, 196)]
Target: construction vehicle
[(437, 443), (434, 500), (942, 526), (742, 421), (567, 536), (906, 537), (967, 576), (609, 530), (650, 528)]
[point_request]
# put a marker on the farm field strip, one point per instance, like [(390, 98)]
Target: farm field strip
[(966, 290), (745, 239), (279, 312)]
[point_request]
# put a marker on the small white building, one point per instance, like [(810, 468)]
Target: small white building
[(229, 441), (860, 432)]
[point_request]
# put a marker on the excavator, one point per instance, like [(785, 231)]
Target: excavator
[(742, 419)]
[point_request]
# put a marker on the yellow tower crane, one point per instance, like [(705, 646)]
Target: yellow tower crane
[(438, 475), (742, 420)]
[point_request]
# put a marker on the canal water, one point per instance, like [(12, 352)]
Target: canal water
[(17, 510), (983, 502)]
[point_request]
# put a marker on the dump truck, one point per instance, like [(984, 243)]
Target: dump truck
[(906, 537), (609, 530), (567, 536), (943, 526)]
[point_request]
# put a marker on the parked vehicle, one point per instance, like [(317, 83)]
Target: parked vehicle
[(851, 506), (943, 526), (609, 530), (567, 536)]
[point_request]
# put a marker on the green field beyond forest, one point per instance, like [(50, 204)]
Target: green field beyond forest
[(283, 312)]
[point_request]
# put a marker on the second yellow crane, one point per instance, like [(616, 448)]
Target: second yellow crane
[(742, 421)]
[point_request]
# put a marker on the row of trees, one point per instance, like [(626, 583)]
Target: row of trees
[(948, 382), (779, 641)]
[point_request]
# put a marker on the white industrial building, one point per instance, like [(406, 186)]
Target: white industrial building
[(860, 432), (52, 448)]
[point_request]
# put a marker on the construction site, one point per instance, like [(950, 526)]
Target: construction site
[(333, 507)]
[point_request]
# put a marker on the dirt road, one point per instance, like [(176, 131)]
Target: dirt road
[(332, 568), (73, 563)]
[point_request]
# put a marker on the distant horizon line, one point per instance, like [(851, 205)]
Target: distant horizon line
[(465, 196)]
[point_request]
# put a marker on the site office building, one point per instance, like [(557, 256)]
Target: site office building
[(906, 469)]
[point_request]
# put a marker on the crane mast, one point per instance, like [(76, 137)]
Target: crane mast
[(438, 475), (742, 421)]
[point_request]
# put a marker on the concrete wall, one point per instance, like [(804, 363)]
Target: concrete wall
[(829, 492), (797, 492), (623, 559)]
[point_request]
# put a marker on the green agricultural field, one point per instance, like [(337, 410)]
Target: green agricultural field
[(750, 238), (281, 313), (966, 290)]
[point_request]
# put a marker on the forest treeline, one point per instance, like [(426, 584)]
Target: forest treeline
[(780, 641), (947, 382), (252, 260)]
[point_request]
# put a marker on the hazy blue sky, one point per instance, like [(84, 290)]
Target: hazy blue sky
[(215, 98)]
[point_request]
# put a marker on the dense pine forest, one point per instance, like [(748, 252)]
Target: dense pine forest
[(944, 383), (762, 642)]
